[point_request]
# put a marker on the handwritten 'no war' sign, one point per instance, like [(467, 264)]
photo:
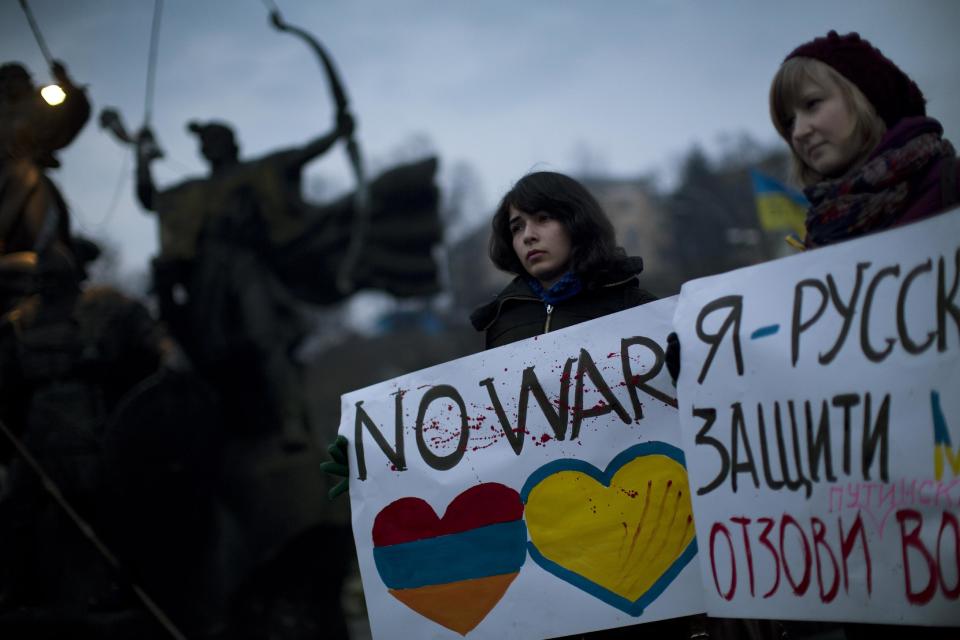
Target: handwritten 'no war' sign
[(535, 490), (820, 406)]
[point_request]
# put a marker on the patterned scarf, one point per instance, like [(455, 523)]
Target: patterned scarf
[(873, 197), (566, 287)]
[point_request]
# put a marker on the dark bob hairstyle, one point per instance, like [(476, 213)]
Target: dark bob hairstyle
[(594, 248)]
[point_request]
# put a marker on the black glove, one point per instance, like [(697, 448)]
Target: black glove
[(338, 466), (672, 356)]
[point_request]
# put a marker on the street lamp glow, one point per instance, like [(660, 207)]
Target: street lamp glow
[(53, 94)]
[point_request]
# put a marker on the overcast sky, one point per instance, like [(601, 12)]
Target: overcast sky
[(504, 85)]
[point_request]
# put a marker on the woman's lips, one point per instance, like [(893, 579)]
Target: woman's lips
[(814, 147), (534, 254)]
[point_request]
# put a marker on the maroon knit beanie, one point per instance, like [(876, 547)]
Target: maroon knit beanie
[(889, 90)]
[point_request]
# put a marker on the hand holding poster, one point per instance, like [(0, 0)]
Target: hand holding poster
[(820, 406), (535, 490)]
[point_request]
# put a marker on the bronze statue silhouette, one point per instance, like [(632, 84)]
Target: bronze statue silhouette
[(241, 248), (33, 214), (240, 252), (214, 277)]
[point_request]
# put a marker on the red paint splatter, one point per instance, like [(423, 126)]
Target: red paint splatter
[(545, 438)]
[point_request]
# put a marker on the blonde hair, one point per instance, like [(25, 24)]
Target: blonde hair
[(785, 94)]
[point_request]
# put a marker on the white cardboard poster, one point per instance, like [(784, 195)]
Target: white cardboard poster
[(820, 407), (534, 490)]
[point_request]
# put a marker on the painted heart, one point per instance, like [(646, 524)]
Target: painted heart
[(455, 569), (622, 534)]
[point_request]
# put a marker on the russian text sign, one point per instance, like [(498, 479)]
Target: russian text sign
[(820, 407)]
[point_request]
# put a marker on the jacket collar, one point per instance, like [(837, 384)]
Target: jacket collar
[(485, 315)]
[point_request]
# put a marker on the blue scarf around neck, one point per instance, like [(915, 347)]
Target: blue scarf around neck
[(566, 287)]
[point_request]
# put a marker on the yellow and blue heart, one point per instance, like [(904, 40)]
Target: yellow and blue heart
[(455, 569), (622, 534)]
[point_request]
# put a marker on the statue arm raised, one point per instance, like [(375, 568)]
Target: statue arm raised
[(147, 152), (319, 146)]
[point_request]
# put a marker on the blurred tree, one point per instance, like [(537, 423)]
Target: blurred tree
[(712, 209), (463, 205)]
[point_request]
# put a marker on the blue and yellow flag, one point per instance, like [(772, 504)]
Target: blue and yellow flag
[(942, 448), (779, 207)]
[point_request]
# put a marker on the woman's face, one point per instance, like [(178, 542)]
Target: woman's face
[(542, 244), (822, 130)]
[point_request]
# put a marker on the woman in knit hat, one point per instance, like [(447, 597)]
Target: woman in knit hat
[(869, 159), (863, 147)]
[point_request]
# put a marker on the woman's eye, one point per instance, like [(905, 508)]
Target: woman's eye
[(811, 103), (515, 229)]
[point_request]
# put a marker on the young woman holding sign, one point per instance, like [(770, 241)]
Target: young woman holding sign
[(553, 235), (869, 159), (863, 147)]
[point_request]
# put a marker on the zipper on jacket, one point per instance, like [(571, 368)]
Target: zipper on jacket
[(500, 308), (546, 325)]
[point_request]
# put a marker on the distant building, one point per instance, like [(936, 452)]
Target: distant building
[(642, 226)]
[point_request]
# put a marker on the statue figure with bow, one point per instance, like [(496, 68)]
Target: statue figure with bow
[(240, 247), (240, 251)]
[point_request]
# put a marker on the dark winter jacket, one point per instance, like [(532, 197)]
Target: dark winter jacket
[(517, 313)]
